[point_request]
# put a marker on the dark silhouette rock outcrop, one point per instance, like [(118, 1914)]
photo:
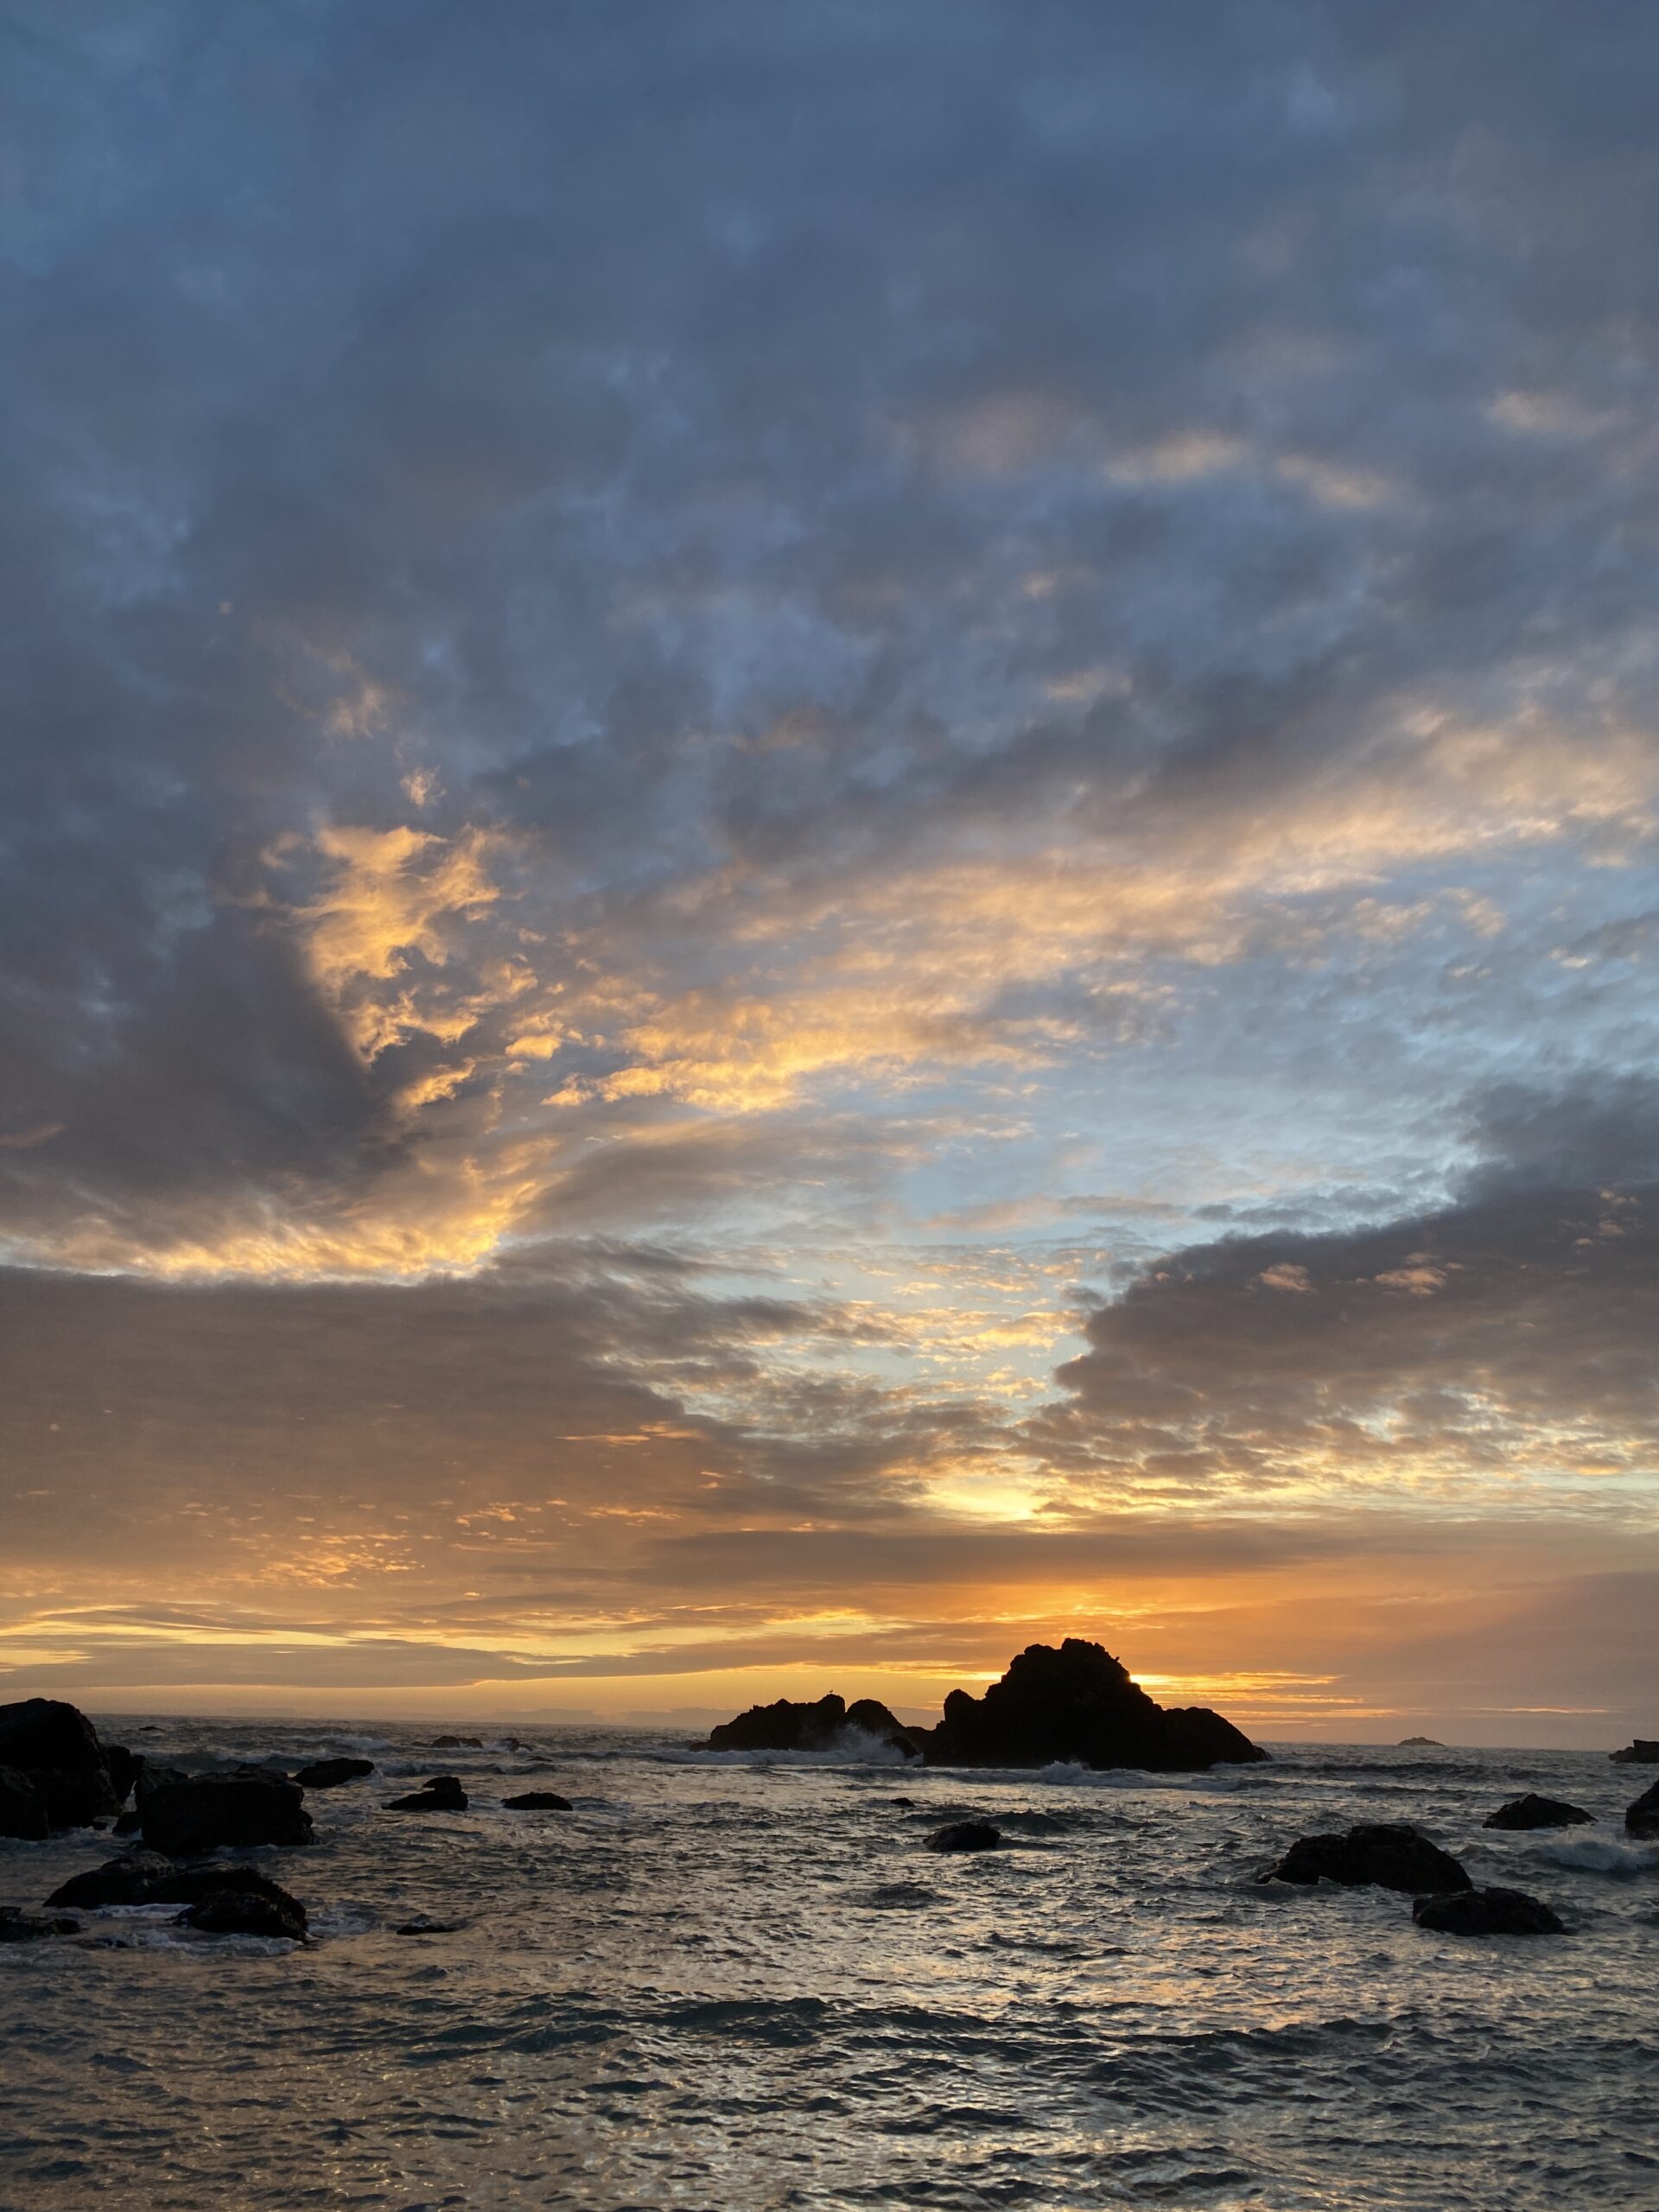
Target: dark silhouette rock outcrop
[(55, 1746), (1643, 1817), (196, 1814), (1642, 1752), (538, 1801), (248, 1912), (966, 1835), (457, 1744), (826, 1725), (1534, 1812), (442, 1794), (1487, 1912), (147, 1878), (22, 1809), (1078, 1703), (330, 1774), (124, 1767), (17, 1926), (1420, 1743), (1388, 1855), (423, 1924)]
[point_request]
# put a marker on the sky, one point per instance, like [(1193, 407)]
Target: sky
[(830, 837)]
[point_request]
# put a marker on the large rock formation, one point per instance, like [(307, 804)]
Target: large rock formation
[(1078, 1703), (1388, 1855), (329, 1774), (22, 1809), (1534, 1812), (146, 1877), (55, 1747), (1643, 1817), (829, 1725), (1487, 1912), (1642, 1752), (442, 1793), (211, 1812)]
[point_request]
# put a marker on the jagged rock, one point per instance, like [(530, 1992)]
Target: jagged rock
[(130, 1823), (1487, 1912), (265, 1911), (124, 1767), (1643, 1817), (56, 1746), (1640, 1754), (966, 1835), (539, 1800), (442, 1794), (22, 1809), (1388, 1855), (19, 1927), (211, 1812), (457, 1743), (329, 1774), (424, 1925), (1078, 1703), (823, 1725), (126, 1880), (1534, 1812)]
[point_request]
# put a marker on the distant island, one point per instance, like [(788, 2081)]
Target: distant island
[(1076, 1703), (1419, 1743)]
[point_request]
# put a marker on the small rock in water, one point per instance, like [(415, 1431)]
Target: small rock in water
[(1420, 1743), (1642, 1752), (1534, 1812), (965, 1835), (19, 1927), (1487, 1912), (329, 1774), (442, 1794), (423, 1924), (1643, 1818), (910, 1802), (247, 1912), (126, 1880), (539, 1800), (1388, 1855)]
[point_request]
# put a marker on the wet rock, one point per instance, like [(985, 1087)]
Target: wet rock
[(1078, 1703), (329, 1774), (422, 1925), (1387, 1854), (22, 1809), (908, 1802), (966, 1835), (827, 1724), (126, 1880), (1640, 1754), (539, 1800), (211, 1812), (124, 1767), (19, 1927), (1534, 1812), (130, 1823), (442, 1794), (1643, 1817), (248, 1912), (57, 1747), (1487, 1912), (457, 1744)]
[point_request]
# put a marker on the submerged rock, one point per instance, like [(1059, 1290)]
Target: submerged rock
[(1640, 1754), (209, 1812), (265, 1911), (17, 1926), (539, 1800), (823, 1725), (126, 1880), (442, 1794), (966, 1835), (329, 1774), (1487, 1912), (423, 1924), (1387, 1855), (1078, 1703), (22, 1809), (1534, 1812), (1643, 1817)]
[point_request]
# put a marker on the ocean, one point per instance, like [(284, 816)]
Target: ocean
[(739, 1983)]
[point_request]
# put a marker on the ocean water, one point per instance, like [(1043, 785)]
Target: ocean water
[(741, 1983)]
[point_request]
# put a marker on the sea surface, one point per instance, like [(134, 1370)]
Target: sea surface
[(733, 1983)]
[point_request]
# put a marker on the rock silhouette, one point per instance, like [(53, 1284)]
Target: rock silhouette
[(329, 1774), (1078, 1703), (823, 1725), (22, 1809), (1487, 1912), (442, 1794), (55, 1747), (1419, 1743), (196, 1814), (457, 1744), (247, 1912), (538, 1801), (966, 1835), (1386, 1854), (1534, 1812), (1642, 1752), (19, 1927), (1643, 1817), (147, 1877)]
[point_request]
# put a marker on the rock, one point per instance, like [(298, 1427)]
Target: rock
[(442, 1794), (1487, 1912), (828, 1725), (247, 1912), (56, 1746), (909, 1803), (19, 1927), (1643, 1817), (1534, 1812), (208, 1812), (1419, 1743), (457, 1744), (966, 1835), (423, 1925), (1078, 1703), (126, 1880), (1390, 1855), (22, 1809), (329, 1774), (124, 1767), (539, 1800), (1640, 1754), (152, 1778), (130, 1823)]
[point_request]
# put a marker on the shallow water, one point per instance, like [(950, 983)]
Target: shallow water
[(738, 1984)]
